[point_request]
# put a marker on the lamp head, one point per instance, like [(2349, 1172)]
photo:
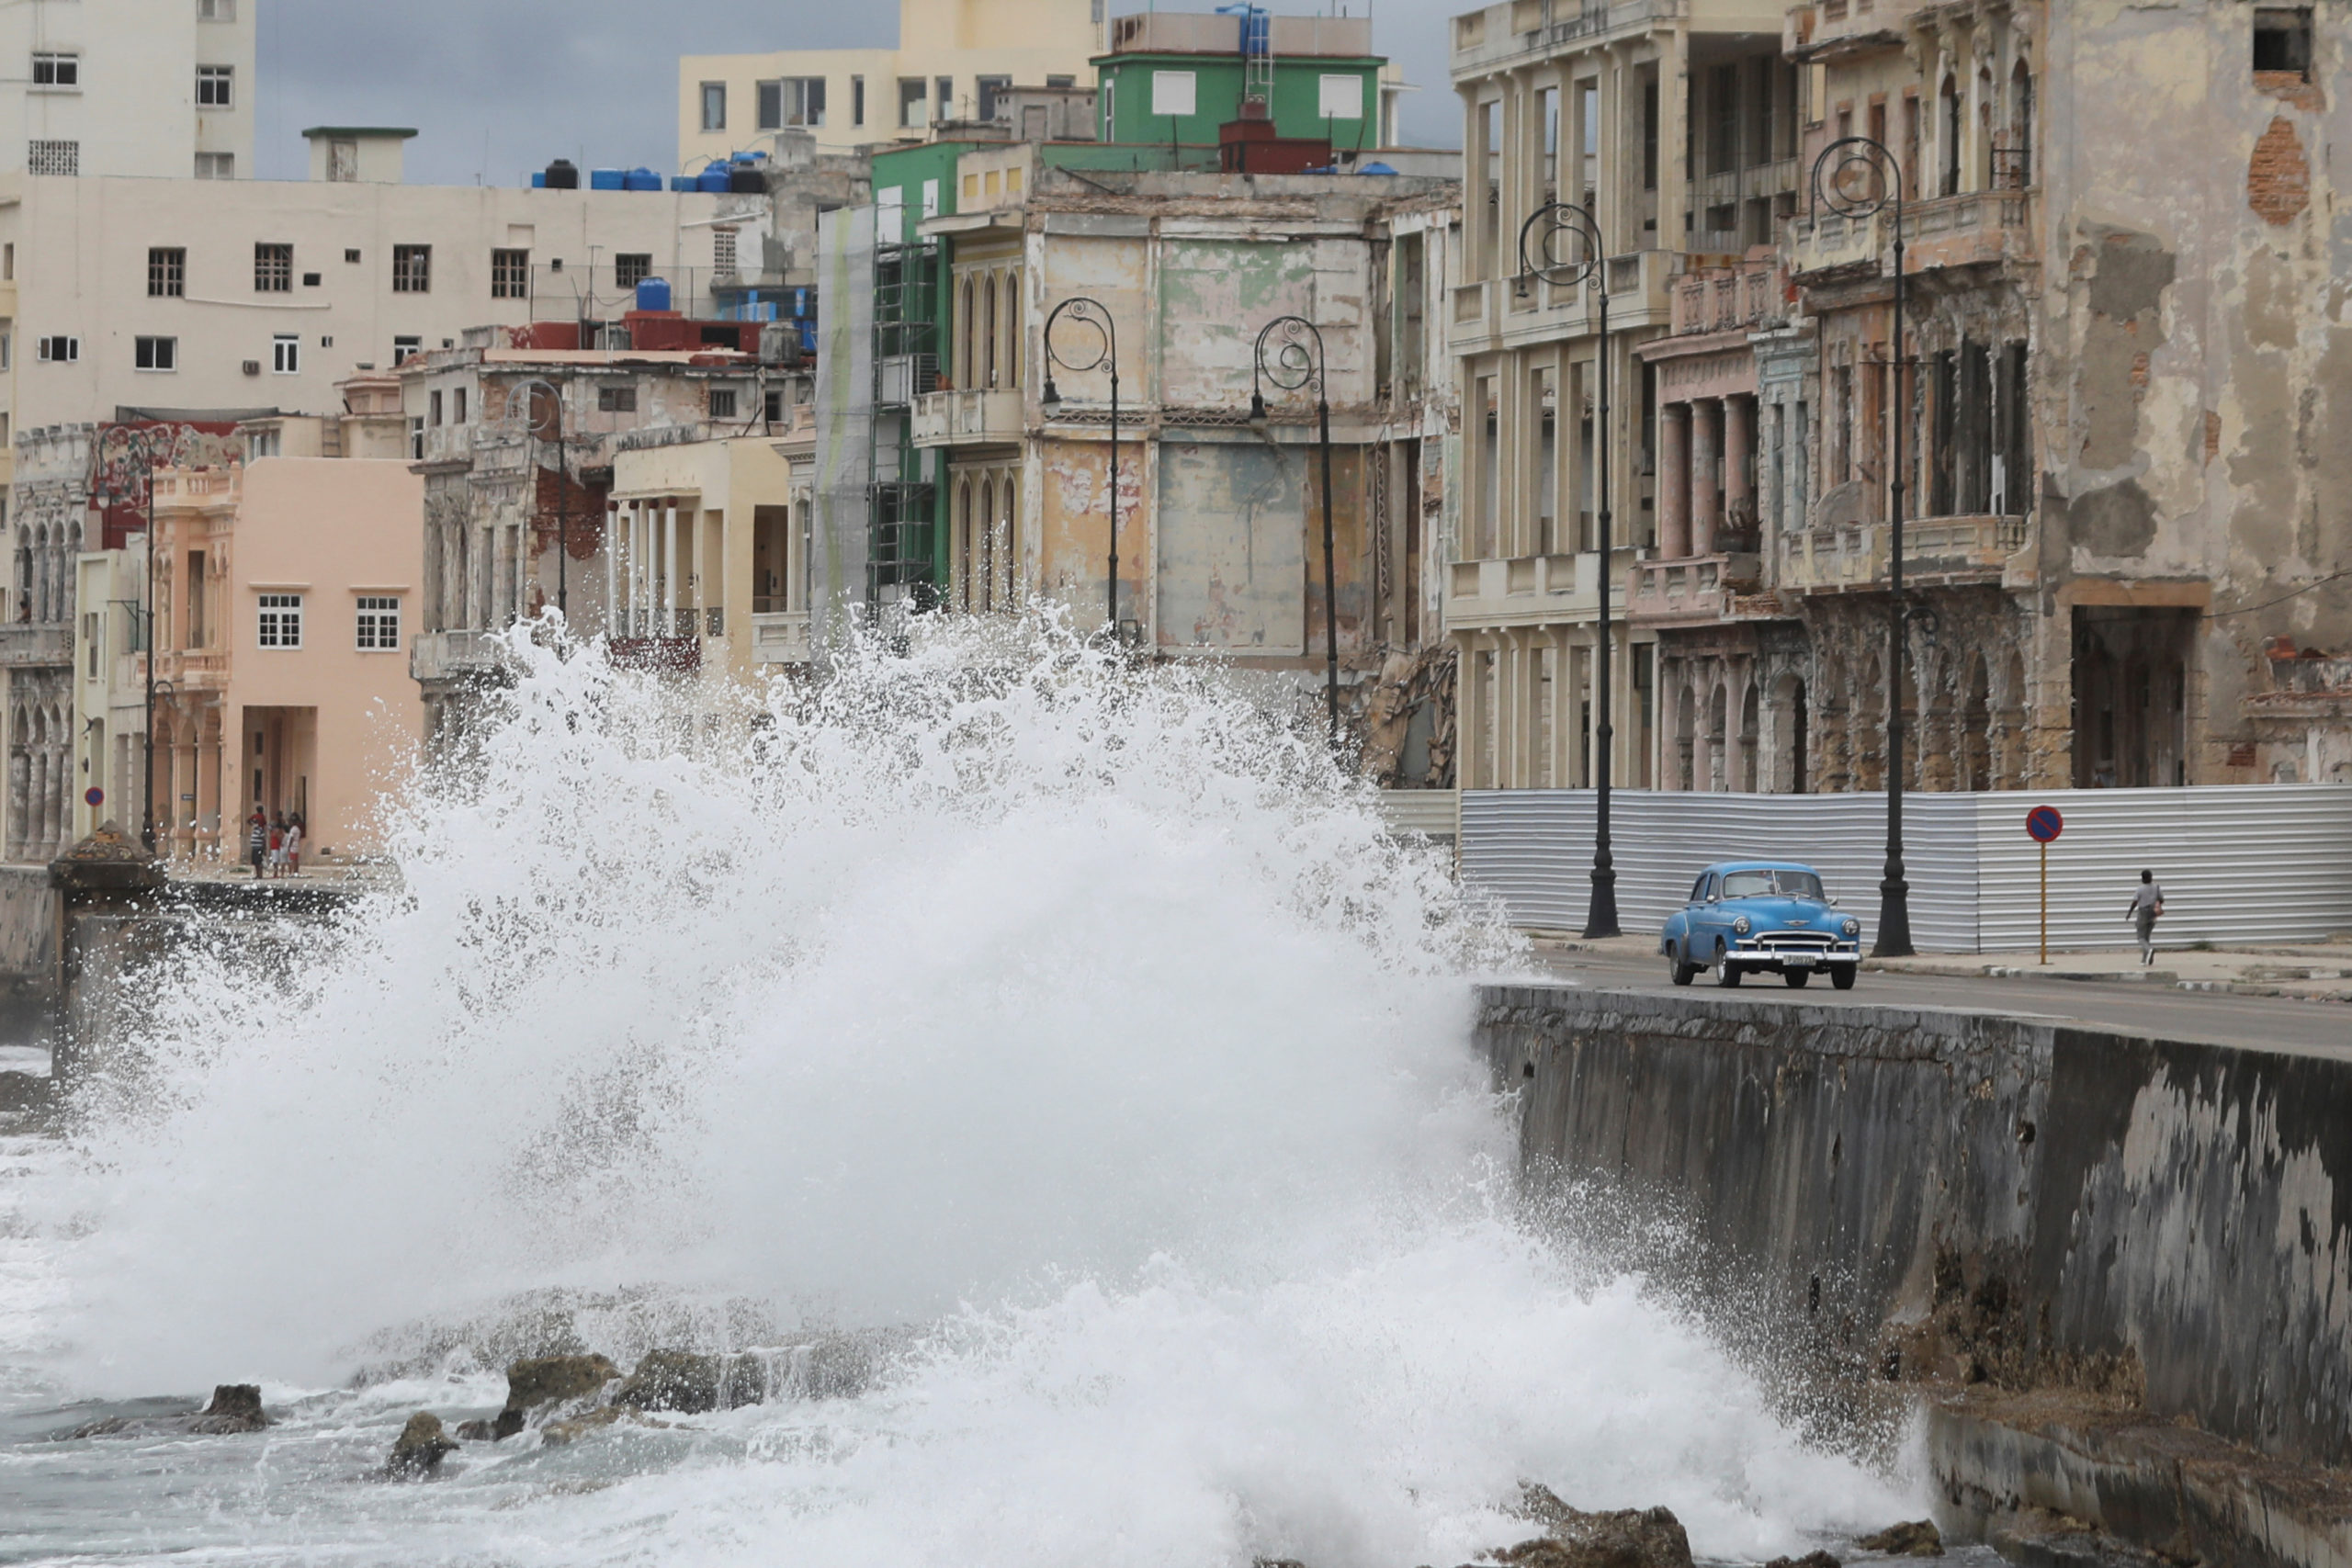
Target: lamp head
[(1053, 398), (1257, 409), (1519, 287)]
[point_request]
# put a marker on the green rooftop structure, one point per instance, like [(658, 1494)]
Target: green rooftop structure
[(1175, 77)]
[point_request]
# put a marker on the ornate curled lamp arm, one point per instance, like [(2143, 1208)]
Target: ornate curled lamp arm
[(1282, 358), (1560, 244), (1105, 344)]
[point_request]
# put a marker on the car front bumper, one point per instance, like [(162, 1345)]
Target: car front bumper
[(1748, 955)]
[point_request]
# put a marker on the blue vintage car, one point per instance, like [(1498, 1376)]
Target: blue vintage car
[(1746, 915)]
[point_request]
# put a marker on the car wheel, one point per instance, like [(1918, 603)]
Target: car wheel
[(1726, 971), (1843, 975), (1796, 978), (1682, 973)]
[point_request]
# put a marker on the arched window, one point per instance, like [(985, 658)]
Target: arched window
[(1009, 549), (964, 355), (986, 594), (1012, 287), (1951, 129), (2017, 161), (964, 545), (988, 287)]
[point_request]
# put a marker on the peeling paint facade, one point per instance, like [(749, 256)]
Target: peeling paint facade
[(2125, 396)]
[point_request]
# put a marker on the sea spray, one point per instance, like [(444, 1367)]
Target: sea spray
[(1074, 1023)]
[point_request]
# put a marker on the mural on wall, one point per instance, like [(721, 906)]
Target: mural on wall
[(119, 462)]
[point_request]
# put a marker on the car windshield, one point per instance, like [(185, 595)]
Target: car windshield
[(1781, 881)]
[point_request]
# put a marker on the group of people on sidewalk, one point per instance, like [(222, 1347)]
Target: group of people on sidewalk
[(274, 843)]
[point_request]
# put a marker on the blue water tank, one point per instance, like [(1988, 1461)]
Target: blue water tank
[(682, 182), (640, 179), (748, 158), (712, 179), (605, 179), (538, 180), (653, 294)]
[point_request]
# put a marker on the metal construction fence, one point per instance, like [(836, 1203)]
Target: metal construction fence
[(2255, 862)]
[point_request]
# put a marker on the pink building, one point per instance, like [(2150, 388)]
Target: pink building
[(288, 586)]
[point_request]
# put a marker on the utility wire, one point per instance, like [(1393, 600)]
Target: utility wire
[(2267, 603)]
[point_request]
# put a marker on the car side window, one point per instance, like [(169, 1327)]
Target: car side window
[(1698, 889), (1707, 888)]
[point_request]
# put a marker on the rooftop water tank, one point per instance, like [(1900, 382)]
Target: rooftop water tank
[(653, 294), (713, 179), (682, 182), (562, 175), (745, 179), (605, 179), (538, 180), (640, 179)]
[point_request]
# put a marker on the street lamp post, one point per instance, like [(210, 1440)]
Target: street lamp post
[(142, 442), (1561, 244), (1094, 316), (1292, 369), (1857, 178)]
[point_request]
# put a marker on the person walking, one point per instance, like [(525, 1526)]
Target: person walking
[(294, 844), (257, 839), (2147, 908)]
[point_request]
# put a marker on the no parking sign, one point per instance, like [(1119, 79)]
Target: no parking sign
[(2043, 825)]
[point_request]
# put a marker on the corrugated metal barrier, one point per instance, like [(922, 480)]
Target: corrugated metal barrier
[(2238, 864), (1436, 812)]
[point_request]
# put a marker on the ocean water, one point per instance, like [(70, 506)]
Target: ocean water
[(1068, 1035)]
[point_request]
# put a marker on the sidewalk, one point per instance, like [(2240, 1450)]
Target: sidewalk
[(2317, 970)]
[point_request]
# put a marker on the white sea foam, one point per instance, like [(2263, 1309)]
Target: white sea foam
[(1075, 1020)]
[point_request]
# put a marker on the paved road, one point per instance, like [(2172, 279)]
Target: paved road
[(2270, 1022)]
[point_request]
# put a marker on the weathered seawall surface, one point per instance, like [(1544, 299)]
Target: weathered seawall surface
[(1982, 1202)]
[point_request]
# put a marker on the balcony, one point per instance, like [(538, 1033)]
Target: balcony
[(446, 444), (1938, 552), (1971, 228), (456, 655), (780, 636), (1523, 32), (1528, 590), (968, 418), (1701, 590), (1497, 310), (1746, 298), (27, 645), (658, 655)]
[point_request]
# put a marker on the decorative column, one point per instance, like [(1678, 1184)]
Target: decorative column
[(189, 779), (1706, 474), (20, 794), (1740, 445), (1674, 481), (206, 806), (612, 541), (1465, 714), (670, 568)]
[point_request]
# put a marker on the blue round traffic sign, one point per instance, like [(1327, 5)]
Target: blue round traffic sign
[(2043, 824), (95, 795)]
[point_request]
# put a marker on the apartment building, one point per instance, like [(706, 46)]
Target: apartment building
[(1674, 129), (952, 60), (117, 87)]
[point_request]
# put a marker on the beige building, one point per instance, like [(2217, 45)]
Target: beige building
[(953, 58), (708, 540), (286, 586), (107, 87)]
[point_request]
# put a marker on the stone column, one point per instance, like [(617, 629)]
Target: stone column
[(612, 563), (187, 778), (19, 795), (668, 626), (1740, 445), (207, 784), (1465, 714), (1674, 481), (1706, 474)]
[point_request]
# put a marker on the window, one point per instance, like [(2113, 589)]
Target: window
[(988, 87), (793, 100), (7, 345), (57, 69), (458, 406), (723, 250), (215, 86), (1339, 97), (510, 275), (273, 269), (196, 630), (285, 354), (260, 443), (216, 165), (433, 404), (60, 350), (351, 258), (713, 106), (1061, 81), (616, 399), (380, 624), (944, 102), (412, 269), (405, 349), (911, 103), (631, 268), (771, 104), (166, 272), (930, 198), (53, 157), (2282, 40), (281, 620), (723, 402), (775, 410), (157, 353), (1172, 92), (311, 280), (857, 100), (216, 10)]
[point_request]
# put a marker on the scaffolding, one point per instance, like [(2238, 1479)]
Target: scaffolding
[(900, 502)]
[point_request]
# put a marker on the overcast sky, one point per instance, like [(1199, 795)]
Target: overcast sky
[(496, 88)]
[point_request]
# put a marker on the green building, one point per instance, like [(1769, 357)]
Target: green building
[(1175, 77)]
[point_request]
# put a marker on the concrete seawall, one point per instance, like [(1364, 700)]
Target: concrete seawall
[(1977, 1202)]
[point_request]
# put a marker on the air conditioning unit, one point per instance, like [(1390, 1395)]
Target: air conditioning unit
[(252, 367)]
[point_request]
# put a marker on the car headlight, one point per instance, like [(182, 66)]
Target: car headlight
[(1740, 925), (1854, 925)]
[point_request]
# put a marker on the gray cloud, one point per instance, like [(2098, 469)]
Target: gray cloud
[(498, 87)]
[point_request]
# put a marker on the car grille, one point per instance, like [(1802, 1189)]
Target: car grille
[(1796, 942)]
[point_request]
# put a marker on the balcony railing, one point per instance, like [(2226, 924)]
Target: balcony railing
[(455, 655), (1639, 284), (1944, 550), (30, 645), (662, 655), (968, 418), (1974, 227), (1726, 298), (780, 636), (1704, 588)]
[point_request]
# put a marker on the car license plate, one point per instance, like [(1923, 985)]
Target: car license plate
[(1797, 961)]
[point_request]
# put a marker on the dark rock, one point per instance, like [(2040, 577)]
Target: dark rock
[(1918, 1539), (421, 1449), (1810, 1560), (235, 1407), (504, 1425), (1624, 1538), (538, 1380), (691, 1383), (475, 1432)]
